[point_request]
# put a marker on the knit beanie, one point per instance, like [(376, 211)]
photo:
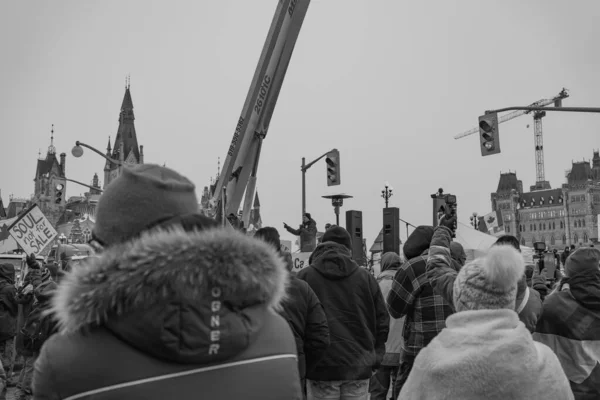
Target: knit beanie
[(582, 259), (141, 196), (418, 241), (490, 282), (457, 252), (338, 235)]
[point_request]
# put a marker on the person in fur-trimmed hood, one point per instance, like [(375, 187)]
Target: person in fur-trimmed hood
[(485, 352), (173, 307)]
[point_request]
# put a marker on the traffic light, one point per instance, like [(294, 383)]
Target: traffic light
[(489, 135), (333, 168), (58, 193)]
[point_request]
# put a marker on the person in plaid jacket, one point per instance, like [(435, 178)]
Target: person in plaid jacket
[(413, 296)]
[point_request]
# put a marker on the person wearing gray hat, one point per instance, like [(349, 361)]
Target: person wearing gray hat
[(570, 322), (172, 307)]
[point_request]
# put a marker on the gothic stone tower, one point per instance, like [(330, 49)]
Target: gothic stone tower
[(49, 175), (126, 148)]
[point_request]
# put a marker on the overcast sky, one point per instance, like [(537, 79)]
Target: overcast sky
[(387, 82)]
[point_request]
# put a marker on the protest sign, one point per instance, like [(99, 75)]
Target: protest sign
[(300, 260), (286, 246), (32, 231)]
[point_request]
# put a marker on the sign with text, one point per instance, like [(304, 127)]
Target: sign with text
[(300, 260), (286, 246), (32, 231)]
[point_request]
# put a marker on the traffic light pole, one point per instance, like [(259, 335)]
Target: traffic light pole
[(305, 168), (83, 184), (563, 109)]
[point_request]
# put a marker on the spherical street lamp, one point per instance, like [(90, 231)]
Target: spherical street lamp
[(77, 150)]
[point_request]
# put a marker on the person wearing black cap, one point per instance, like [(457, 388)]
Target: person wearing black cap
[(570, 322), (307, 232), (172, 306), (357, 317)]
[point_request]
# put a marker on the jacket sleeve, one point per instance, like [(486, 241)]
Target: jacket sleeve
[(43, 385), (382, 319), (316, 340), (293, 231), (440, 273), (401, 297)]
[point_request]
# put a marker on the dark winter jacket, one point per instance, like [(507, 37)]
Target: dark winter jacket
[(304, 312), (570, 326), (442, 276), (25, 301), (172, 315), (9, 307), (39, 326), (413, 296), (308, 235), (356, 314)]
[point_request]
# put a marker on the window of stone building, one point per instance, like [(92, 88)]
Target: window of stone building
[(554, 225), (585, 237), (522, 241), (507, 229), (552, 241), (540, 226), (564, 239), (583, 221), (575, 238), (544, 226), (534, 227)]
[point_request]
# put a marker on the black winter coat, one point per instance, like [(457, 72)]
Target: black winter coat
[(356, 313), (9, 308), (304, 312)]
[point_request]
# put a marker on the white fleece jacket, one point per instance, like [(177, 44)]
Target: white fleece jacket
[(486, 354)]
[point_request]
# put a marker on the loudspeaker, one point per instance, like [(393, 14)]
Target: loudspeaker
[(391, 230), (355, 229)]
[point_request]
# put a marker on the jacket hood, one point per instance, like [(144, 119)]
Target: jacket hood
[(390, 260), (175, 294), (418, 242), (475, 356), (585, 287), (7, 273), (333, 261)]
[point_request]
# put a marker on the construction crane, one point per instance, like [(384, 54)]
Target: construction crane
[(239, 172), (538, 133)]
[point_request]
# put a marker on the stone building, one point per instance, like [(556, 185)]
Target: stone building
[(50, 184), (559, 217)]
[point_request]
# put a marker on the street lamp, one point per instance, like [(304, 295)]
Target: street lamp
[(337, 200), (77, 152), (387, 193), (475, 220), (62, 238)]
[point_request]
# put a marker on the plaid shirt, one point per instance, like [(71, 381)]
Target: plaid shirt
[(412, 295)]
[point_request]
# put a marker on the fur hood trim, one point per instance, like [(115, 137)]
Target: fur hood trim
[(167, 266)]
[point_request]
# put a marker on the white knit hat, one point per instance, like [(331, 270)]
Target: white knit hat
[(489, 282)]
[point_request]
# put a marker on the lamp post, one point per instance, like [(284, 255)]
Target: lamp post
[(337, 200), (475, 220), (77, 152), (387, 193)]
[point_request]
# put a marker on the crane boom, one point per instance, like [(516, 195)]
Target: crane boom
[(239, 168), (507, 117)]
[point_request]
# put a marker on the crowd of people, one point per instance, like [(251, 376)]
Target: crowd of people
[(173, 305)]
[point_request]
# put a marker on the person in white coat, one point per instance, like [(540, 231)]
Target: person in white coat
[(485, 352)]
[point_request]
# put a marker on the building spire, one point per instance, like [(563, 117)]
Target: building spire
[(51, 148), (108, 149), (218, 168)]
